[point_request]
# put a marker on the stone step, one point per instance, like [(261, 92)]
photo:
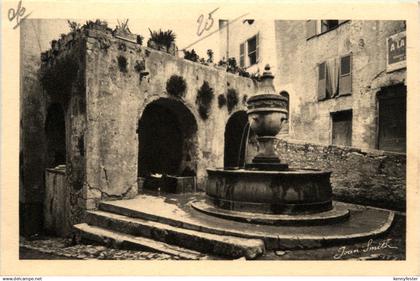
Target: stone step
[(219, 245), (120, 240), (362, 224)]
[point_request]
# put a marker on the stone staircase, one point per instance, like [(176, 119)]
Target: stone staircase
[(120, 229), (171, 224)]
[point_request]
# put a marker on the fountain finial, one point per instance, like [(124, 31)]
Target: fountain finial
[(267, 73)]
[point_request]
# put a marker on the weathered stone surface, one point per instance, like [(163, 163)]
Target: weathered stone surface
[(270, 192), (122, 241), (363, 222), (337, 214), (205, 242)]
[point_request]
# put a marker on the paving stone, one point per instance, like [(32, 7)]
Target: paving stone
[(280, 253)]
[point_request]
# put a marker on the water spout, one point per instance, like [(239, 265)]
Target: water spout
[(243, 148)]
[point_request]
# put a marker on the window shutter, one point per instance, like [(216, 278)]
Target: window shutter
[(242, 55), (310, 28), (258, 47), (322, 81), (345, 82)]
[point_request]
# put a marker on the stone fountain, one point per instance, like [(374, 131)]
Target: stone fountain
[(267, 188)]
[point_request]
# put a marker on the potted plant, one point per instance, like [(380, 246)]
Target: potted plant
[(162, 41)]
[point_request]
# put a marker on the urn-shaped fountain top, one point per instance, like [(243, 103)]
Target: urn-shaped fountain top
[(266, 98)]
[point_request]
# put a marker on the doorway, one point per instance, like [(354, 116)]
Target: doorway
[(55, 130), (392, 118)]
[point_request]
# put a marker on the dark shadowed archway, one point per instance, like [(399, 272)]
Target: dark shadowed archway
[(55, 130), (236, 133), (167, 139)]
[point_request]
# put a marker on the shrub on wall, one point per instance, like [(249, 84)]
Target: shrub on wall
[(161, 40), (244, 99), (232, 99), (122, 63), (205, 96), (191, 55), (176, 86), (221, 100)]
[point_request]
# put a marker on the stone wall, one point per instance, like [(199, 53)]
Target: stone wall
[(35, 37), (297, 74), (370, 177), (117, 95), (62, 78)]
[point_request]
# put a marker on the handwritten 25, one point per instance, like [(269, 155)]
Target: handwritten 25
[(207, 24)]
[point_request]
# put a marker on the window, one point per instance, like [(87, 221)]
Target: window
[(253, 50), (342, 127), (345, 75), (335, 77), (316, 27), (392, 118), (242, 55), (249, 52), (322, 81), (327, 25)]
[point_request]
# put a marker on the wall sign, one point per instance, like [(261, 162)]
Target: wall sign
[(396, 51)]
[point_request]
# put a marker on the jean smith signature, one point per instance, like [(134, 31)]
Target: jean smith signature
[(17, 14), (371, 246)]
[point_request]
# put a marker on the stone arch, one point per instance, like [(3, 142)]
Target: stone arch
[(167, 131), (55, 131), (236, 133)]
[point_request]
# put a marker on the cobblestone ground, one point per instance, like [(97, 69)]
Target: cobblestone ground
[(57, 248), (389, 247)]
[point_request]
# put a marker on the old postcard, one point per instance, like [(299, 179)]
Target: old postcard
[(219, 138)]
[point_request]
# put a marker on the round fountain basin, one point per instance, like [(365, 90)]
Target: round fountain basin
[(270, 192)]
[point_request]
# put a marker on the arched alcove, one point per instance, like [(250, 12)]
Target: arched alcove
[(55, 130), (167, 139), (236, 133)]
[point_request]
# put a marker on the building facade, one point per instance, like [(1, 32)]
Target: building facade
[(250, 42), (345, 79)]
